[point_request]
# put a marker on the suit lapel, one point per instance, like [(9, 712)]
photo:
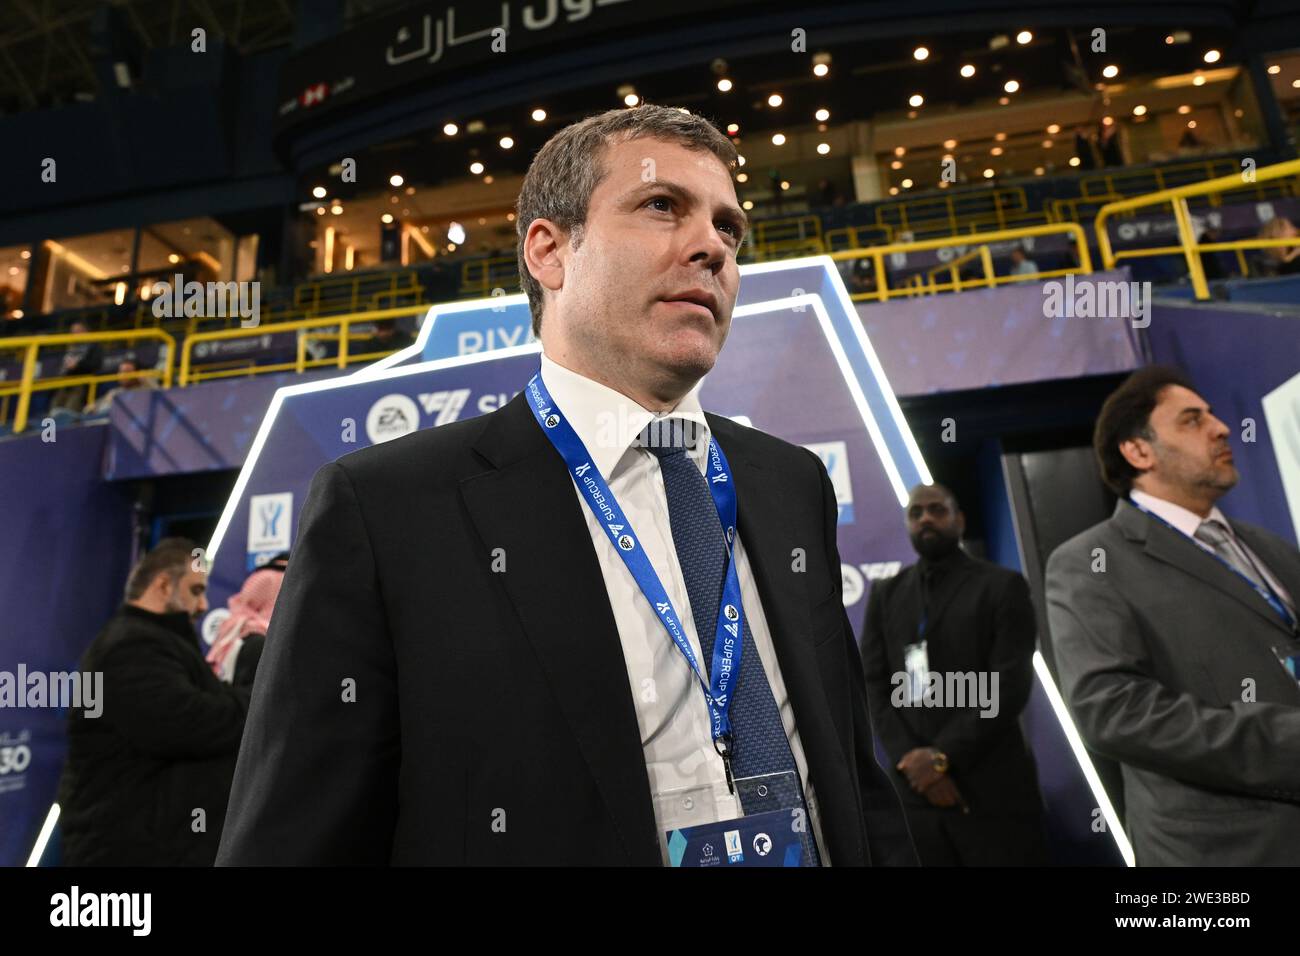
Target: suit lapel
[(526, 504), (1174, 548), (769, 542)]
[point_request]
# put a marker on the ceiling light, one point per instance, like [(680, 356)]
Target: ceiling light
[(173, 258), (1054, 128), (476, 168), (631, 99), (995, 151), (733, 128), (386, 217), (395, 180), (1110, 72), (988, 173), (336, 210), (778, 139), (1011, 85), (893, 190), (451, 129), (539, 115), (920, 53), (1212, 56), (742, 177), (1184, 109), (724, 85), (821, 69), (774, 100), (1047, 144), (916, 99), (949, 144), (968, 70), (896, 164), (1274, 69), (1139, 110), (1023, 37), (1000, 137), (1074, 160), (1198, 80), (907, 184), (822, 115), (319, 192), (1191, 124), (823, 148), (505, 142)]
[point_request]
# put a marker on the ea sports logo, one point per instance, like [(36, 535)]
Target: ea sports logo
[(392, 417), (552, 420), (625, 542)]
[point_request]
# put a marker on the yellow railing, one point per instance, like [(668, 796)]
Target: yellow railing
[(954, 271), (348, 292), (954, 210), (478, 277), (30, 345), (1187, 246), (343, 323), (877, 255)]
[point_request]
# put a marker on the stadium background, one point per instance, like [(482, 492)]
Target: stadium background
[(210, 139)]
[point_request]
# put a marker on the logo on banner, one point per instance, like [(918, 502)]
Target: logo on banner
[(392, 417), (270, 525), (447, 404), (212, 622), (734, 853), (835, 456)]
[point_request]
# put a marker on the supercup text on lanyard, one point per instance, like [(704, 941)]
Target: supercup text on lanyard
[(727, 640)]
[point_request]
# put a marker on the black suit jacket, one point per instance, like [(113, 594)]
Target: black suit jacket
[(163, 747), (492, 721), (980, 619)]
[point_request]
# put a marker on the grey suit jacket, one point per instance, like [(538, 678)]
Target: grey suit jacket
[(1166, 660)]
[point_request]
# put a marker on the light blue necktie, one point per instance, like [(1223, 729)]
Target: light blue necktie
[(761, 746)]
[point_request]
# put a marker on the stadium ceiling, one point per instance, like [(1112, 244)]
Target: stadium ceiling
[(49, 48)]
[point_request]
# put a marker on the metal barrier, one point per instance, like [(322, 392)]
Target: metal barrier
[(478, 277), (32, 344), (1188, 246), (877, 255), (308, 295), (343, 322), (954, 271)]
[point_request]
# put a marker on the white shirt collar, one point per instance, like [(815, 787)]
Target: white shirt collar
[(1185, 521), (608, 421)]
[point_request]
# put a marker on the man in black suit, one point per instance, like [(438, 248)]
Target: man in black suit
[(948, 652), (463, 669), (146, 781)]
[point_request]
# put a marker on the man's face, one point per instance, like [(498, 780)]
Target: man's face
[(190, 594), (934, 525), (663, 222), (1190, 450)]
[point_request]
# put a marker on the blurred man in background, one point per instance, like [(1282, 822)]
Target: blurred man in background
[(1175, 638), (146, 782), (971, 793)]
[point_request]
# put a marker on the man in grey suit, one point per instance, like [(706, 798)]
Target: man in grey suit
[(1175, 638)]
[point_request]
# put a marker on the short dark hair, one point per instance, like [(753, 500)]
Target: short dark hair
[(569, 167), (1125, 415), (170, 556)]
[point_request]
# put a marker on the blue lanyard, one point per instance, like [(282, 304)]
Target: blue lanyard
[(1266, 592), (727, 642)]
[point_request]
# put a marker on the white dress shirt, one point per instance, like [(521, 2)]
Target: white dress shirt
[(1188, 521), (684, 769)]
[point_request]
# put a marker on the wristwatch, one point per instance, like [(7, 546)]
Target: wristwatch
[(939, 760)]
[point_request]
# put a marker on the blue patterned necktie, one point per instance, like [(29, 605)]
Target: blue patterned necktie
[(761, 746)]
